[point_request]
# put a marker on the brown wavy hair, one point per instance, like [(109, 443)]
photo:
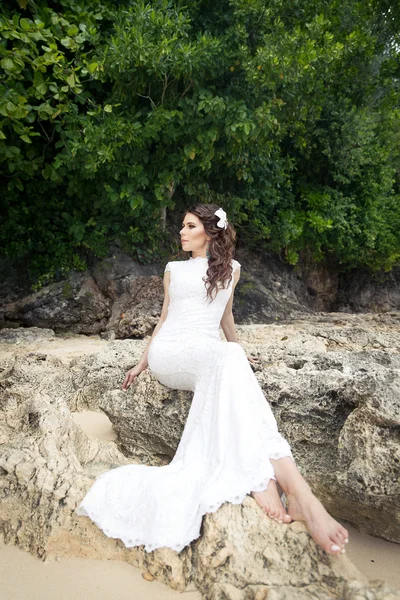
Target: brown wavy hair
[(221, 247)]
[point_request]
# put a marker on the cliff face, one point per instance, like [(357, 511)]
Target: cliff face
[(122, 299), (333, 383)]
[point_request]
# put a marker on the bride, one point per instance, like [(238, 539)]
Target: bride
[(230, 445)]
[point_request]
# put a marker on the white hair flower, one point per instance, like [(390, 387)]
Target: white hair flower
[(223, 222)]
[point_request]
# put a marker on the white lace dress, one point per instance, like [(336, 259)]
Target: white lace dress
[(229, 436)]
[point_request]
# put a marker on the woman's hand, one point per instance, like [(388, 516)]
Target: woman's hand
[(253, 359), (131, 376)]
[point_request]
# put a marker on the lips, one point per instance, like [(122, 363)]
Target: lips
[(183, 241)]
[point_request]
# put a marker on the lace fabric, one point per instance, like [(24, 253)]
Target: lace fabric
[(228, 439)]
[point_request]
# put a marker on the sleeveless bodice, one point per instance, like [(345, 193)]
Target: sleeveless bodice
[(190, 312)]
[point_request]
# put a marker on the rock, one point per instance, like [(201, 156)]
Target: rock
[(23, 335), (339, 409), (136, 314), (241, 555), (47, 463), (119, 295), (335, 396), (361, 291), (124, 298), (75, 305), (334, 389)]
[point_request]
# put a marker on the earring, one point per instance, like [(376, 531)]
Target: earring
[(207, 252)]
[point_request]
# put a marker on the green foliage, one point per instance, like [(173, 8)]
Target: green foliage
[(287, 114)]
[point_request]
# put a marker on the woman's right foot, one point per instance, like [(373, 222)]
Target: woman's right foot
[(325, 531), (271, 503)]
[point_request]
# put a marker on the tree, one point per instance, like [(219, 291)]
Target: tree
[(115, 118)]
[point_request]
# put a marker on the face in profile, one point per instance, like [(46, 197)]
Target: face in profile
[(193, 236)]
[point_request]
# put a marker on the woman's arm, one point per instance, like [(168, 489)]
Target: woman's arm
[(143, 362), (227, 321)]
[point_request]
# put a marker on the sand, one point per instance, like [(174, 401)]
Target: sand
[(23, 575)]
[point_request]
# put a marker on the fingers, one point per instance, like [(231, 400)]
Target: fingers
[(131, 376), (125, 381), (254, 357), (128, 380)]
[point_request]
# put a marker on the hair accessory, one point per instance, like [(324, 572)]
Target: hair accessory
[(223, 222)]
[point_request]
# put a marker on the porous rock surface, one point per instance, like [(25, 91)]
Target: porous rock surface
[(334, 386), (47, 462), (122, 299)]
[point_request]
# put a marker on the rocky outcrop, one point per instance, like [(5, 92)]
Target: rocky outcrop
[(334, 387), (326, 382), (264, 562), (73, 305), (361, 291), (123, 299), (119, 298)]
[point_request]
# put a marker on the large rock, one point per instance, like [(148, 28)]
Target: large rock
[(73, 305), (118, 297), (47, 463), (361, 291), (124, 299), (334, 387), (246, 559)]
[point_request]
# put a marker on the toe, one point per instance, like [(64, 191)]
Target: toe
[(281, 516), (341, 537), (287, 518), (332, 548), (266, 509), (338, 539), (345, 533)]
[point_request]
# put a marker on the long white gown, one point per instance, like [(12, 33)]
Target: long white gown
[(229, 436)]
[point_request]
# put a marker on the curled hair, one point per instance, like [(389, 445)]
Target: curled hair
[(220, 247)]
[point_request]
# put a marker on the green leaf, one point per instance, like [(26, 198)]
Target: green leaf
[(42, 88), (26, 139), (92, 67), (8, 64), (25, 24), (71, 80), (108, 108), (73, 30)]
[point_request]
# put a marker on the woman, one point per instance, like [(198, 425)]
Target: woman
[(230, 445)]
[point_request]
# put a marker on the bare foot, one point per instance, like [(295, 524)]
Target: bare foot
[(324, 530), (271, 503)]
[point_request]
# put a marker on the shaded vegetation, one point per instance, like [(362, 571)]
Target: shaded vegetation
[(115, 115)]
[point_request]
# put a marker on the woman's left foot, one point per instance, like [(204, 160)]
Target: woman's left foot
[(271, 503), (325, 531)]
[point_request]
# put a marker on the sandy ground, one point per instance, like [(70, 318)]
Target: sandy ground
[(23, 575)]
